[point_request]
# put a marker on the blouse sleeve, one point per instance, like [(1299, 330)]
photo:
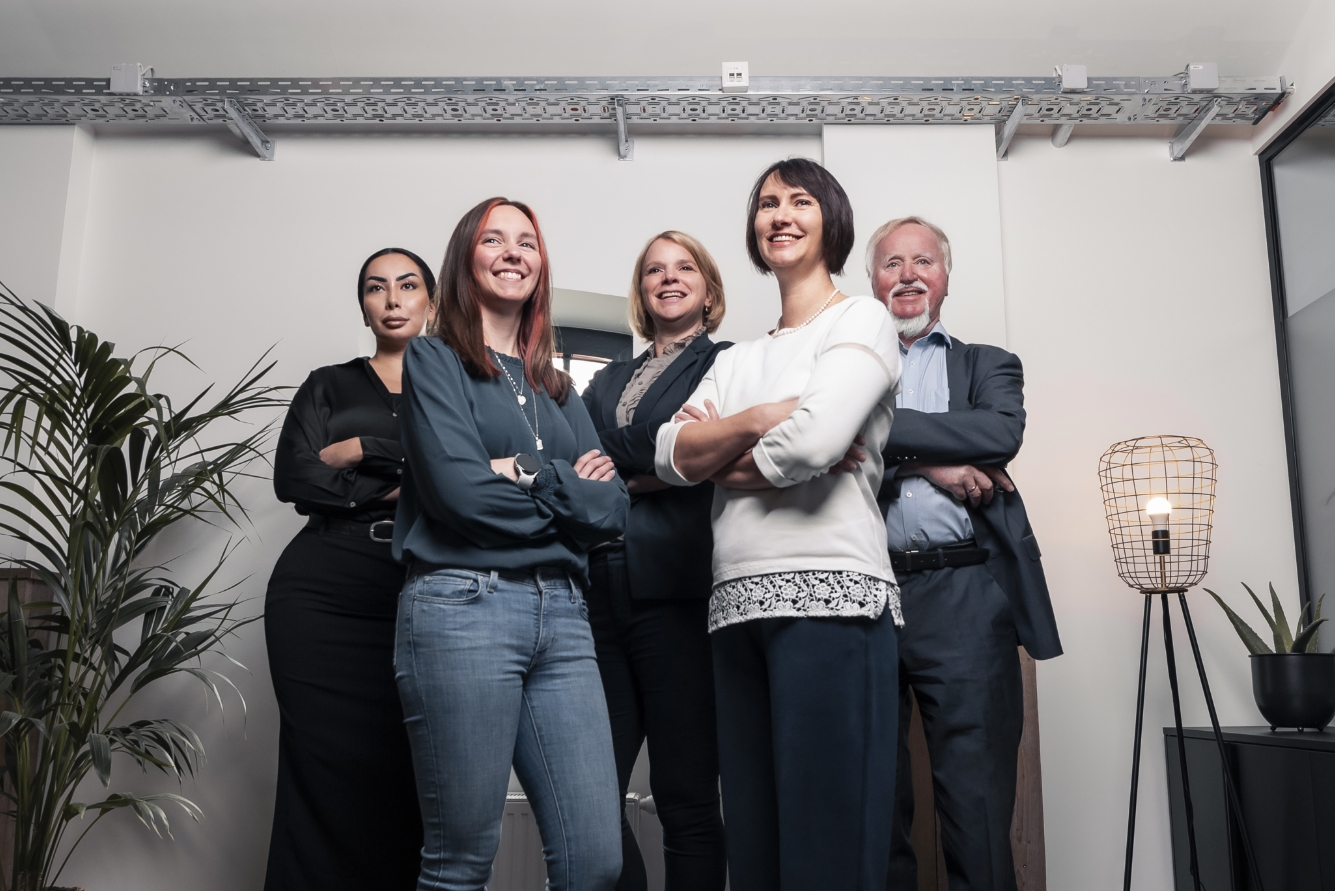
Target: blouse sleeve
[(590, 511), (664, 464), (381, 458), (856, 368), (300, 477)]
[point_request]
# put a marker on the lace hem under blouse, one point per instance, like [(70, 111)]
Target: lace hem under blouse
[(804, 595)]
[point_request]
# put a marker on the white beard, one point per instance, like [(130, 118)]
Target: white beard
[(914, 326)]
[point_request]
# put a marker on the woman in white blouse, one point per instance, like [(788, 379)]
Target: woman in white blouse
[(805, 604)]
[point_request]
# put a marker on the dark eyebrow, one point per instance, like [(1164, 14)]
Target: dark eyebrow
[(376, 278), (406, 275)]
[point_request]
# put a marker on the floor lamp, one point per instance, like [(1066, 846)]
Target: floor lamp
[(1158, 494)]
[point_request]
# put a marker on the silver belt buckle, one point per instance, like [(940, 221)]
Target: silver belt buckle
[(374, 537)]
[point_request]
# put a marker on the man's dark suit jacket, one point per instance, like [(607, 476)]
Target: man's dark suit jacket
[(984, 426), (669, 538)]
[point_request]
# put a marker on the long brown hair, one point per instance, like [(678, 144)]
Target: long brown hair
[(459, 312)]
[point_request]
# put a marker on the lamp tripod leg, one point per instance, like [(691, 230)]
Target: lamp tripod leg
[(1135, 756), (1181, 742), (1229, 785)]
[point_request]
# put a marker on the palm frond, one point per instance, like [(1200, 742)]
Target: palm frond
[(95, 466)]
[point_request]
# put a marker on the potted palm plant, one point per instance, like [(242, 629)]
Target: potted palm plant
[(94, 468), (1293, 683)]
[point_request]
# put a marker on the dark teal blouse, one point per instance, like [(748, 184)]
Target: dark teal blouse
[(455, 511)]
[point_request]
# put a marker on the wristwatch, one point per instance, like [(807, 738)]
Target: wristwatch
[(526, 468)]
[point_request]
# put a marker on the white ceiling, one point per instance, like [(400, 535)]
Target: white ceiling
[(212, 38)]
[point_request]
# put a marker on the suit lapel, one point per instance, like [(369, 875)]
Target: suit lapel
[(615, 387), (679, 366), (957, 376)]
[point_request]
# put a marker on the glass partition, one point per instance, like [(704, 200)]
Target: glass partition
[(1298, 177)]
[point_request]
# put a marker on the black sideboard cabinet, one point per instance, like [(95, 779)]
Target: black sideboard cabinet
[(1286, 783)]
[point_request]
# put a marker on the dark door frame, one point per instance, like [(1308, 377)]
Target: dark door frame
[(1295, 128)]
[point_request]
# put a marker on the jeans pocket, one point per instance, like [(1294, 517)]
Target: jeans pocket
[(447, 588)]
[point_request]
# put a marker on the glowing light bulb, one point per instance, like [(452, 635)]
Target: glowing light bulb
[(1159, 511)]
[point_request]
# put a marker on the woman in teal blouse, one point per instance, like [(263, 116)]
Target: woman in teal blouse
[(504, 491)]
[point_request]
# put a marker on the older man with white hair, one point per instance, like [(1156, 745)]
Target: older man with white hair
[(971, 583)]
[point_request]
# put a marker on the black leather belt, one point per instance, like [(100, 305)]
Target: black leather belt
[(938, 558), (381, 531)]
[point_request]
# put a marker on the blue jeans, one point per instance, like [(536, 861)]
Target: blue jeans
[(494, 671)]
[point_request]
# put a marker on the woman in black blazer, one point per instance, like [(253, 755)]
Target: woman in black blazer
[(649, 593)]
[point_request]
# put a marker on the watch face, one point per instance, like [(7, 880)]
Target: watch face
[(527, 464)]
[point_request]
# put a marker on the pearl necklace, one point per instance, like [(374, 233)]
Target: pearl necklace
[(780, 332), (520, 398)]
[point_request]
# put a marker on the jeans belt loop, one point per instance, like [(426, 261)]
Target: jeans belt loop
[(491, 582)]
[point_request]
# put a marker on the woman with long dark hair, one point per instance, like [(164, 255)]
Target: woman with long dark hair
[(805, 604), (505, 490), (346, 811), (650, 592)]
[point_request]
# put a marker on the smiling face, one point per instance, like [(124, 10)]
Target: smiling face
[(788, 225), (395, 301), (672, 288), (506, 260), (909, 276)]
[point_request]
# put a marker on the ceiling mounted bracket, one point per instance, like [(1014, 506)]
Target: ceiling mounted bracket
[(1007, 131), (1187, 133), (244, 126), (1061, 134), (625, 145)]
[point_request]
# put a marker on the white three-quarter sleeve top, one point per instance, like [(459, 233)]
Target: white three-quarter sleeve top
[(815, 544)]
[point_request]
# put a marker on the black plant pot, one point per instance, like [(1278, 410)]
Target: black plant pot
[(1295, 689)]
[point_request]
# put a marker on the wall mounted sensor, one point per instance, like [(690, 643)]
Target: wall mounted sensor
[(736, 77), (1202, 77), (1074, 78), (127, 78)]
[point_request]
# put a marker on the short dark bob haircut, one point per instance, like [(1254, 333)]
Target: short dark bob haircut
[(836, 212), (428, 277)]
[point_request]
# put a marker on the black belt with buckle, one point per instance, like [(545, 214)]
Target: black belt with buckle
[(966, 554), (381, 531)]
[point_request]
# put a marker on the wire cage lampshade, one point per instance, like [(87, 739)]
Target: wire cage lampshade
[(1158, 494)]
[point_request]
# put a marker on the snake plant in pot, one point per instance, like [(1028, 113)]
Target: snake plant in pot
[(1293, 683), (94, 468)]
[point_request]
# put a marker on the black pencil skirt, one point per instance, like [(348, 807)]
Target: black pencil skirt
[(346, 814)]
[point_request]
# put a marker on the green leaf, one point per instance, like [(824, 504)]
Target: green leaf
[(1269, 619), (7, 722), (1306, 640), (1283, 636), (101, 752), (1250, 639)]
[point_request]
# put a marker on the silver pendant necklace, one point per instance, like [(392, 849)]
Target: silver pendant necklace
[(522, 400), (780, 332)]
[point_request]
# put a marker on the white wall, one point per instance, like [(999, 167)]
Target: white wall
[(1135, 291), (1138, 296)]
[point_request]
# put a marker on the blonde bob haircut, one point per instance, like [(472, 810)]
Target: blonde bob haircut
[(879, 235), (641, 322)]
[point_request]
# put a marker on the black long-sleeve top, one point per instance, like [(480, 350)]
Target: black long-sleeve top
[(339, 402), (456, 511)]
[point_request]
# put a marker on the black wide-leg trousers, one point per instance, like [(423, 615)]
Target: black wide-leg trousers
[(958, 652), (346, 816), (807, 714), (658, 677)]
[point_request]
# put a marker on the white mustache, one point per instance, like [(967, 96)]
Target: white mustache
[(904, 286)]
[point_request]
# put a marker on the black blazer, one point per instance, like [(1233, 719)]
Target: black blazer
[(669, 538), (984, 425)]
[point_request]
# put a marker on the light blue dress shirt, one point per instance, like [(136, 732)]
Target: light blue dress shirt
[(924, 516)]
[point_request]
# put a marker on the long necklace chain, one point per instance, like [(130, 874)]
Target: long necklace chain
[(780, 332), (520, 398)]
